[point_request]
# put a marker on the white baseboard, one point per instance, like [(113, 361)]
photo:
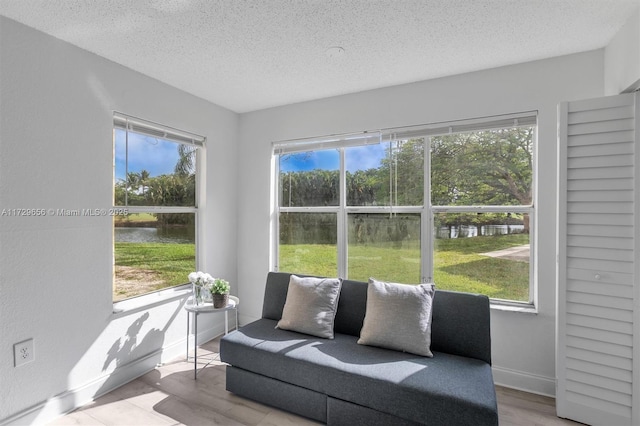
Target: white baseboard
[(65, 402), (527, 382)]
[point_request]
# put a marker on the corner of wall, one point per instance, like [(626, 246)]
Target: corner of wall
[(622, 58)]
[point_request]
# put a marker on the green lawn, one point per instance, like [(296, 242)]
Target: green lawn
[(458, 264), (136, 217), (144, 267), (460, 267)]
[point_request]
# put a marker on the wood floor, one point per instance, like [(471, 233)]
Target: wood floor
[(168, 395)]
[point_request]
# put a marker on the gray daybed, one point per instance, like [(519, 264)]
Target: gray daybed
[(340, 382)]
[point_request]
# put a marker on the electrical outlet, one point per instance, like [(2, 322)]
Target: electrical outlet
[(23, 352)]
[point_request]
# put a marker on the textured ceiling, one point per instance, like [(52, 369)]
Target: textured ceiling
[(253, 54)]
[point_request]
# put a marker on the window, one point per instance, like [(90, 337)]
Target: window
[(156, 175), (450, 203), (481, 197)]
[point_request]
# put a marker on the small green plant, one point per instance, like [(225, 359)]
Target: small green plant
[(220, 286)]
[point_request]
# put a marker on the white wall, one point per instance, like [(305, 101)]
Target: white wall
[(56, 112), (523, 344), (622, 58)]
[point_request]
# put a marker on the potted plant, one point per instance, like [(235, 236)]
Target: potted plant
[(220, 292)]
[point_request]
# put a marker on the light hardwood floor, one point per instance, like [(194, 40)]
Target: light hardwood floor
[(169, 395)]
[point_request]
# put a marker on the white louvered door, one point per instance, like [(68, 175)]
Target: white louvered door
[(598, 348)]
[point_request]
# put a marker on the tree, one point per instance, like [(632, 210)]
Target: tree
[(186, 164), (132, 188), (171, 190), (482, 168), (400, 180), (309, 188), (361, 187), (492, 167), (144, 178), (133, 180)]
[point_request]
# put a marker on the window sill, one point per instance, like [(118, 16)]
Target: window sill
[(145, 301), (514, 307)]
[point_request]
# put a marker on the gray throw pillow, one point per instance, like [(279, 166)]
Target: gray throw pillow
[(311, 304), (398, 316)]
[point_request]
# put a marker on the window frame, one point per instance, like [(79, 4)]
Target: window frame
[(129, 123), (427, 210)]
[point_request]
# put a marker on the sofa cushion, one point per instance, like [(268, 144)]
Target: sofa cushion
[(461, 325), (310, 306), (444, 389), (352, 303), (398, 317), (352, 307)]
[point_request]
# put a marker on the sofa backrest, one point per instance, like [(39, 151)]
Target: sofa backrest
[(460, 324)]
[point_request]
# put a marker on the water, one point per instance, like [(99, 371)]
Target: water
[(465, 231), (186, 235), (175, 235)]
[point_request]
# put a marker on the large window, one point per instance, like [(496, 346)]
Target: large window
[(449, 203), (156, 175)]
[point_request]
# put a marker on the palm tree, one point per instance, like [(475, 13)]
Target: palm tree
[(133, 180), (186, 161), (144, 178)]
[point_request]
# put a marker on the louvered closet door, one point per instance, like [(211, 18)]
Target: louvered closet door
[(597, 341)]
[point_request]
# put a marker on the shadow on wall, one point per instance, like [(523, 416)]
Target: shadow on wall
[(121, 352), (130, 349)]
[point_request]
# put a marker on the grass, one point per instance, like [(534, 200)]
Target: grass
[(384, 263), (136, 217), (312, 259), (152, 266), (460, 267), (459, 264)]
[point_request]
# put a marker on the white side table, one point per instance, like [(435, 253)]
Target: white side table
[(207, 308)]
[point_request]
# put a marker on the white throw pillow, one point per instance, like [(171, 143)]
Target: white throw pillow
[(398, 316), (311, 304)]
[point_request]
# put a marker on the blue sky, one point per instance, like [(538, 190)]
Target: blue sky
[(357, 158), (157, 156)]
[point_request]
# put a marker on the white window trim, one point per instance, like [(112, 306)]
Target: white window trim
[(146, 300)]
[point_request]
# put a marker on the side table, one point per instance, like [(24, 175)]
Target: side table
[(207, 308)]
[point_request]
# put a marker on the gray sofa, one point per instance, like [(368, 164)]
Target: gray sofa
[(339, 382)]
